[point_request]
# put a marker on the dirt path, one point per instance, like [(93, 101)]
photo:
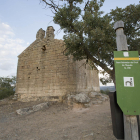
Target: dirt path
[(57, 122)]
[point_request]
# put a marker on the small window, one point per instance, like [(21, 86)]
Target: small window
[(37, 68), (43, 48)]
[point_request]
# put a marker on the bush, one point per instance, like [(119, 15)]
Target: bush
[(104, 91), (5, 92), (7, 86)]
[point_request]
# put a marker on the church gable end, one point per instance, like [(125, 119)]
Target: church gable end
[(44, 72)]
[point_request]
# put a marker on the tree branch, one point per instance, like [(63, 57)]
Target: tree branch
[(102, 65), (86, 5), (137, 29), (51, 4)]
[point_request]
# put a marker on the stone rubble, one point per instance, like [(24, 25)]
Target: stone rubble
[(83, 99), (26, 111), (87, 99)]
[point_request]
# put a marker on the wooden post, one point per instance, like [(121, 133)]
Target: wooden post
[(130, 122)]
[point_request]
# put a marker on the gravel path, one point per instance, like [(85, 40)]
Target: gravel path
[(58, 122)]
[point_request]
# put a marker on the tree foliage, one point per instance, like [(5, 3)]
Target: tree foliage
[(7, 86), (90, 34)]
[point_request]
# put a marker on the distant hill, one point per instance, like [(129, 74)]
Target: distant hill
[(110, 88)]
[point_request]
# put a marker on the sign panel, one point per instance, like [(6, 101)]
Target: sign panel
[(127, 75)]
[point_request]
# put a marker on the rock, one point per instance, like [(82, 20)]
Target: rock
[(99, 94), (15, 97), (87, 98), (99, 102), (87, 105), (93, 94), (94, 102), (81, 98), (25, 111), (40, 106), (88, 135), (68, 97), (104, 98)]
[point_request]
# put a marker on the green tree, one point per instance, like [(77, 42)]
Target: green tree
[(90, 34), (7, 86)]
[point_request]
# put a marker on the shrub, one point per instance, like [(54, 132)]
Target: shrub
[(104, 91), (7, 87), (5, 92)]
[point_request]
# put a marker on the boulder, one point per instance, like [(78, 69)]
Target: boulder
[(87, 105), (104, 98), (26, 111), (94, 102), (93, 94), (81, 98), (99, 102)]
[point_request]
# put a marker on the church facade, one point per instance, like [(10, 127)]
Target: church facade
[(44, 72)]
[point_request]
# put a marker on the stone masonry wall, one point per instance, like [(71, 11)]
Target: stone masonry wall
[(86, 78), (44, 72)]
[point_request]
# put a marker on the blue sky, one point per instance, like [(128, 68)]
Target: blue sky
[(19, 22)]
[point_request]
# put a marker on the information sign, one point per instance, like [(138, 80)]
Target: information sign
[(127, 76)]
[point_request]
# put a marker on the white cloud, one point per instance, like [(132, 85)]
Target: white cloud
[(10, 48), (6, 26), (6, 66), (28, 43), (5, 30), (2, 40), (12, 74)]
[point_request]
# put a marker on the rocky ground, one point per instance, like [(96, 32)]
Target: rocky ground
[(84, 118)]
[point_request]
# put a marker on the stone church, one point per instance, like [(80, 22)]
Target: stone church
[(44, 72)]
